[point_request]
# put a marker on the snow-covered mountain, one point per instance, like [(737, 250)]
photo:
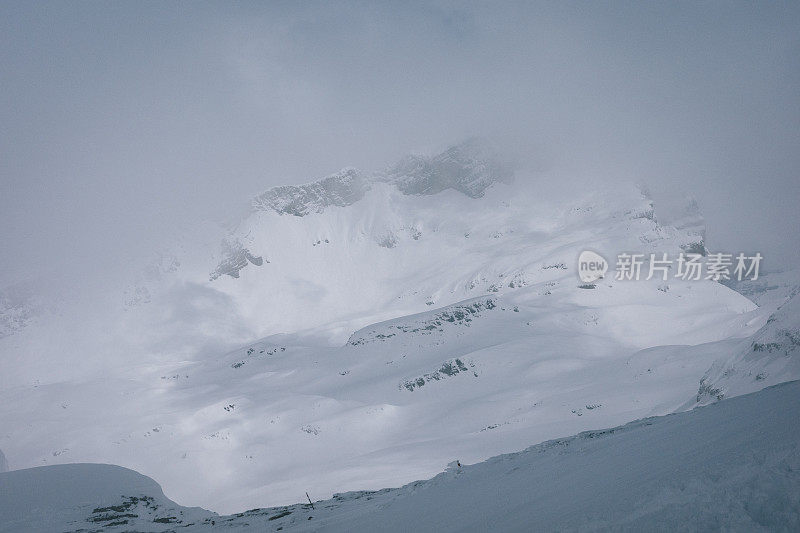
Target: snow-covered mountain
[(354, 248), (364, 330), (733, 466)]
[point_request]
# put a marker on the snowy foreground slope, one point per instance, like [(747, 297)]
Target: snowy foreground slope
[(364, 330), (733, 465)]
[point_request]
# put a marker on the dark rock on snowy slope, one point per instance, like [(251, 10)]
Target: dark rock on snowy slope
[(341, 189), (769, 357), (234, 258), (470, 168)]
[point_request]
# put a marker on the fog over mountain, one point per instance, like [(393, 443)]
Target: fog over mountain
[(255, 254), (121, 122)]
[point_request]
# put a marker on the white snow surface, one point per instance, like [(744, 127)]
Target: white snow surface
[(731, 466), (770, 356), (351, 333)]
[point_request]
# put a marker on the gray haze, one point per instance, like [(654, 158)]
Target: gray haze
[(122, 122)]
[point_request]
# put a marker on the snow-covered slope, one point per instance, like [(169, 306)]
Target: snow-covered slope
[(81, 497), (364, 329), (771, 356), (353, 248), (733, 466)]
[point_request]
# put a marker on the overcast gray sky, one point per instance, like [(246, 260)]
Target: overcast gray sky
[(120, 120)]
